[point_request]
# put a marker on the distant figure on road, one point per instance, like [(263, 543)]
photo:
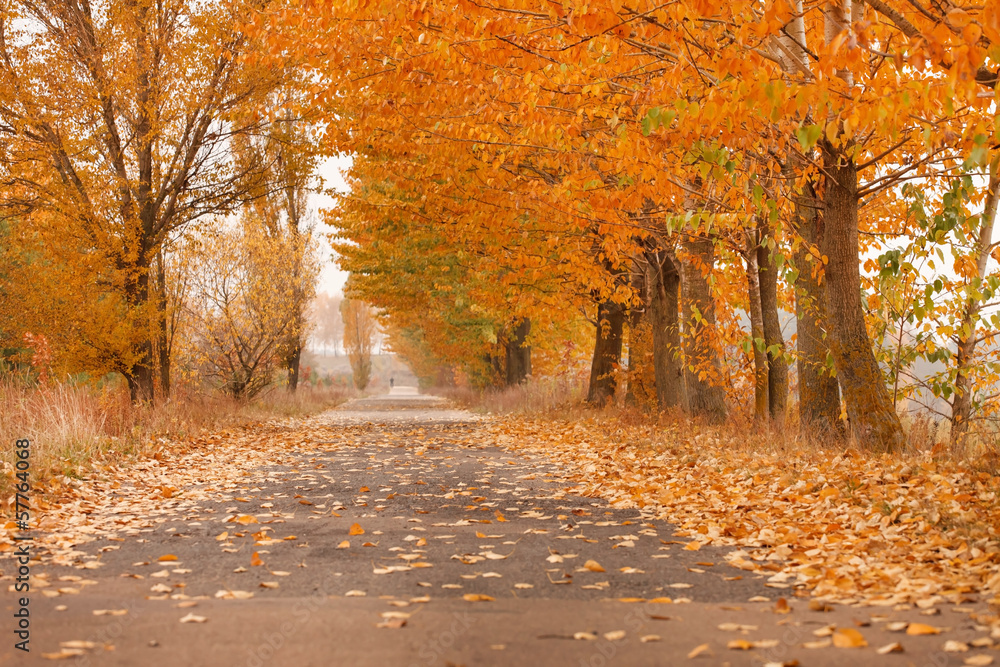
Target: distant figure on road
[(392, 382)]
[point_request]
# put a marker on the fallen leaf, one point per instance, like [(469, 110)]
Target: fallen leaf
[(192, 618), (255, 559), (477, 597), (922, 629), (78, 643), (894, 647), (649, 638), (167, 557), (356, 529), (701, 649), (614, 635), (593, 566), (64, 654), (585, 636), (848, 638), (980, 660)]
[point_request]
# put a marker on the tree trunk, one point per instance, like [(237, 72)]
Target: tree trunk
[(518, 354), (777, 367), (873, 419), (760, 385), (607, 352), (141, 376), (163, 343), (961, 407), (641, 380), (293, 360), (664, 280), (819, 393), (702, 380)]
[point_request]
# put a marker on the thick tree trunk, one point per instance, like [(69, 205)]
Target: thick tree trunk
[(819, 393), (702, 376), (163, 342), (607, 352), (664, 280), (141, 376), (641, 381), (870, 411), (756, 332), (518, 354), (961, 407), (777, 367)]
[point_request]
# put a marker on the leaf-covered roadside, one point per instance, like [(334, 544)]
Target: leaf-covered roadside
[(843, 527)]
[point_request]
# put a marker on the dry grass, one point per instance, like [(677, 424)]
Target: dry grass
[(562, 398), (72, 427), (561, 394)]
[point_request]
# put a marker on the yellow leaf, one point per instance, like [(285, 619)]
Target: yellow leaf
[(701, 649), (344, 545), (356, 529), (593, 566), (848, 638), (246, 519), (739, 645), (477, 597), (167, 557), (500, 517), (255, 559), (922, 629)]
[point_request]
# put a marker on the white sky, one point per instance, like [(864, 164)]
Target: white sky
[(331, 278)]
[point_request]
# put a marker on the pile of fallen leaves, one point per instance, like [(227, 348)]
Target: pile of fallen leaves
[(843, 527)]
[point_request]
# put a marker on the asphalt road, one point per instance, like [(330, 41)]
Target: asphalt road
[(470, 555)]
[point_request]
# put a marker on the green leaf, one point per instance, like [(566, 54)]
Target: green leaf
[(808, 135)]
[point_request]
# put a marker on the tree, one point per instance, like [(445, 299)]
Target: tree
[(359, 335), (241, 305), (128, 140), (560, 145)]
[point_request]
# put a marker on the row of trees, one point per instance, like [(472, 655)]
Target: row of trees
[(154, 175), (677, 175)]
